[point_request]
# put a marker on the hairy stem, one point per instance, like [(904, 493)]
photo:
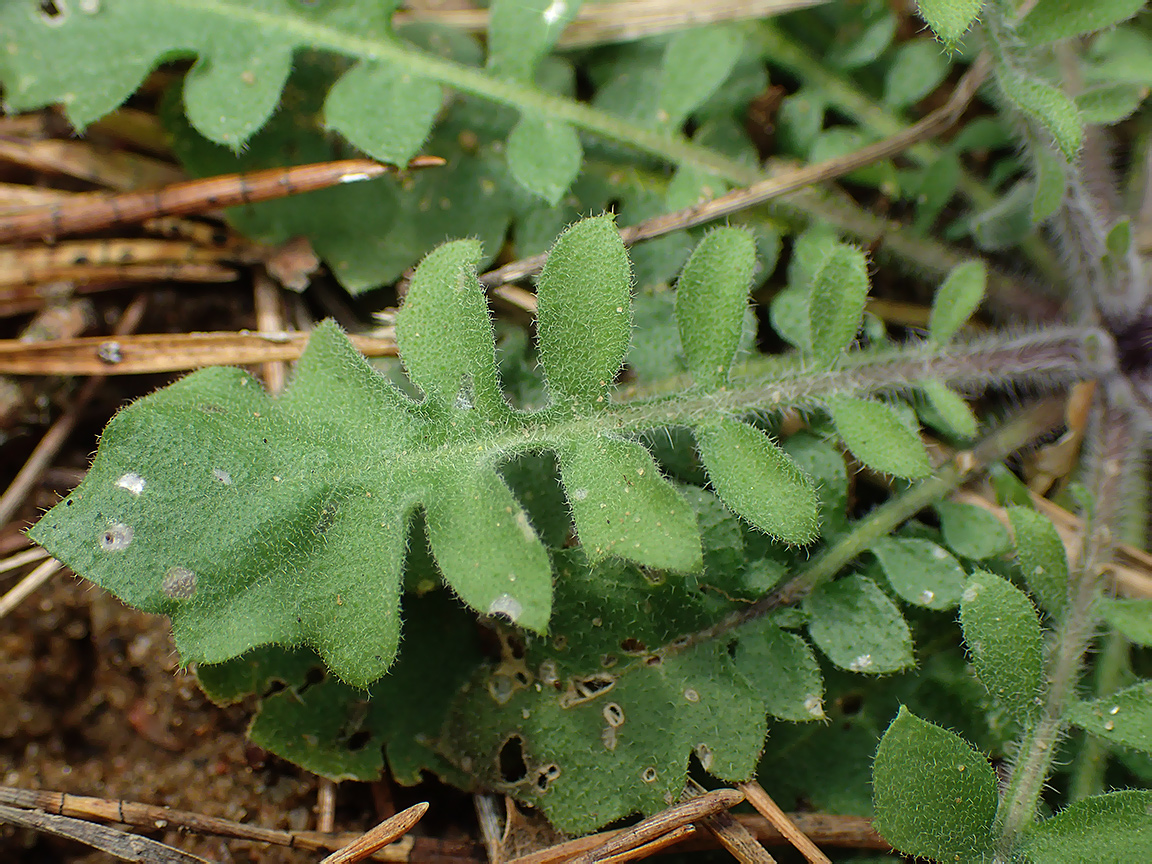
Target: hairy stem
[(1047, 358), (1075, 633), (882, 521)]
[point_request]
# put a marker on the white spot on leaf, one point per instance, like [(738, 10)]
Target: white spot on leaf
[(814, 706), (579, 494), (691, 695), (926, 597), (507, 606), (971, 592), (115, 537), (861, 663), (133, 482), (179, 583), (222, 475)]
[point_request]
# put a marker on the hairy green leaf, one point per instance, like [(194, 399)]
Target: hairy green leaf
[(1048, 105), (695, 64), (758, 480), (250, 520), (1111, 827), (570, 725), (935, 794), (972, 531), (711, 299), (878, 438), (952, 413), (1003, 634), (1040, 554), (858, 628), (783, 670), (1111, 103), (958, 298), (918, 68), (837, 293), (1052, 20), (330, 728), (99, 58), (1131, 618), (443, 330), (584, 315), (1122, 718), (950, 19), (404, 106), (920, 571), (623, 507), (521, 32), (486, 547), (544, 155)]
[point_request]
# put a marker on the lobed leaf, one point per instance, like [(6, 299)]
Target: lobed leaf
[(1114, 826), (837, 292), (444, 333), (584, 310), (858, 628), (758, 480), (623, 507), (251, 520), (950, 19), (956, 301), (1003, 634), (598, 721), (98, 54), (544, 156), (1123, 718), (1041, 557), (341, 732), (711, 300), (877, 437), (920, 571), (935, 795)]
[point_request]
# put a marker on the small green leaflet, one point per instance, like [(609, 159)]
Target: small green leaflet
[(837, 293), (877, 437), (696, 62), (950, 19), (1052, 20), (958, 298), (711, 299), (920, 571), (935, 795), (858, 628), (584, 316), (971, 531), (1122, 718), (1040, 554), (1048, 105), (1131, 618), (1003, 634), (521, 32), (1110, 827), (544, 155)]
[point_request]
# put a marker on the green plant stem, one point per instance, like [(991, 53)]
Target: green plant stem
[(1092, 761), (1017, 433), (1073, 636), (844, 95)]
